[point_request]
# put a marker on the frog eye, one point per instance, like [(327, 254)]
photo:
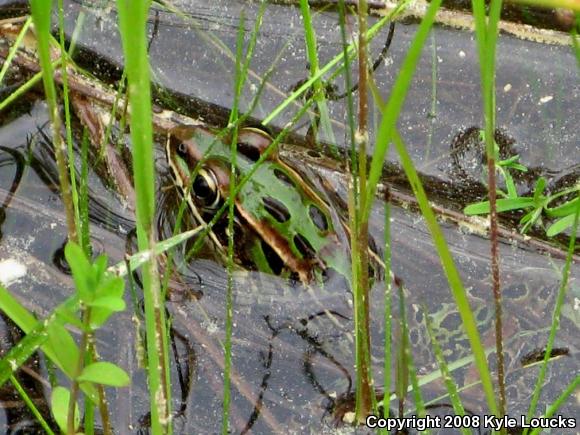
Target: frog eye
[(182, 150), (205, 189)]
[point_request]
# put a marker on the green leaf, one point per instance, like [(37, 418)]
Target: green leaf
[(477, 208), (504, 204), (527, 217), (111, 286), (138, 259), (59, 401), (511, 187), (568, 208), (82, 270), (530, 219), (518, 167), (111, 303), (100, 266), (539, 189), (109, 299), (105, 373), (521, 202), (560, 225), (52, 348), (61, 341), (509, 161), (65, 315)]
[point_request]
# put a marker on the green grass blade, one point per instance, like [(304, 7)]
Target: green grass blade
[(560, 226), (18, 354), (373, 31), (23, 89), (85, 237), (14, 49), (41, 13), (132, 24), (486, 35), (395, 103), (37, 334), (317, 85), (571, 388), (67, 120), (504, 204), (555, 317), (456, 286), (566, 209), (239, 81), (388, 302), (30, 404)]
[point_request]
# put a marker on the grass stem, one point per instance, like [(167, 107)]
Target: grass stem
[(555, 318), (360, 257), (132, 24), (41, 13), (486, 35)]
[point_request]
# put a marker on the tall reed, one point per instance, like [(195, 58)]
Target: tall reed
[(132, 24)]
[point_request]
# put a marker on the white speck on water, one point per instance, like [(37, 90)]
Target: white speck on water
[(546, 99), (52, 225), (462, 54), (507, 87), (211, 327), (10, 271), (348, 417)]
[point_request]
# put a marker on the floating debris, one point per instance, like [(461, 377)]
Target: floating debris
[(11, 271)]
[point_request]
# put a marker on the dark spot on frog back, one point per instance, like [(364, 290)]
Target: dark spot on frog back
[(318, 217), (252, 142), (284, 177), (274, 261), (304, 247), (276, 209)]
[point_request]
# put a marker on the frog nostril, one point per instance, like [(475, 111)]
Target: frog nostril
[(276, 209), (318, 217), (304, 246)]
